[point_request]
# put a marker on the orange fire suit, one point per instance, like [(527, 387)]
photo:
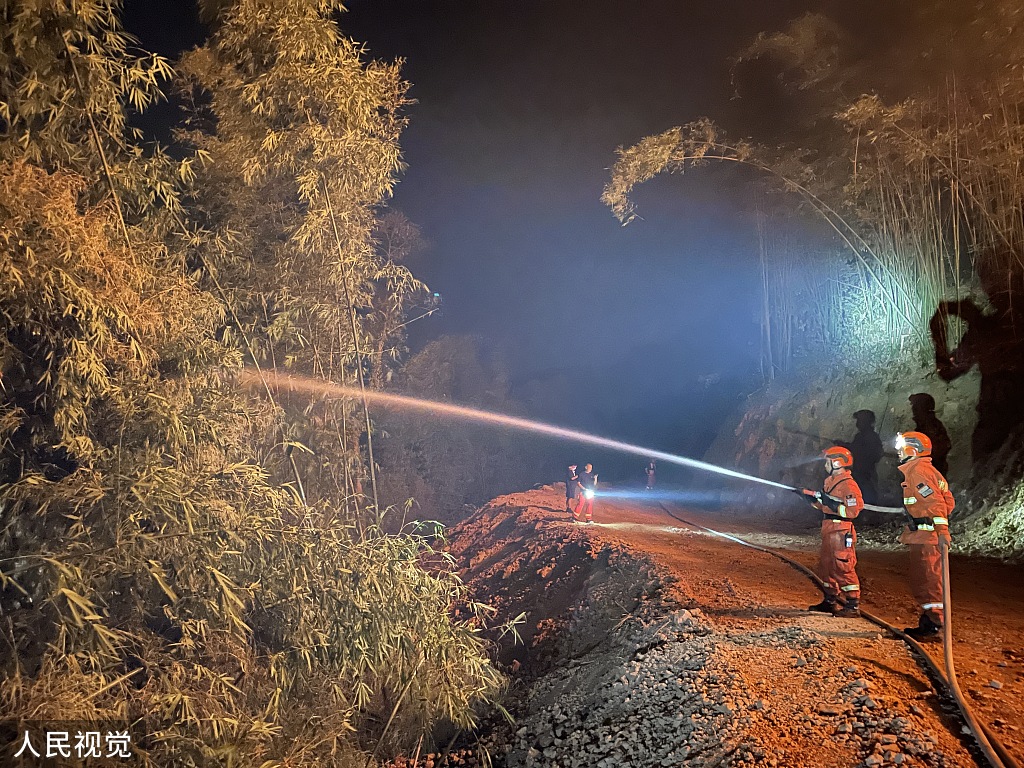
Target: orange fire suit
[(584, 503), (584, 508), (927, 498), (837, 560)]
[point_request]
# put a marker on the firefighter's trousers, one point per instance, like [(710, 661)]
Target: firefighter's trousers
[(926, 579), (584, 508), (837, 563)]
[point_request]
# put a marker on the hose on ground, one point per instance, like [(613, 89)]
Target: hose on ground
[(947, 648), (995, 753)]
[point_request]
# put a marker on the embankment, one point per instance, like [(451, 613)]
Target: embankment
[(646, 645)]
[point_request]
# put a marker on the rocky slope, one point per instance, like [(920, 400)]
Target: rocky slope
[(779, 432)]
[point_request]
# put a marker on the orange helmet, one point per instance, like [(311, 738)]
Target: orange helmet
[(918, 442), (840, 455)]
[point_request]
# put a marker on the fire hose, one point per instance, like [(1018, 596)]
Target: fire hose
[(989, 745)]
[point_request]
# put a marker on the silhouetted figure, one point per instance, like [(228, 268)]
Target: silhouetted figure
[(572, 487), (867, 450), (649, 471), (993, 343), (922, 406)]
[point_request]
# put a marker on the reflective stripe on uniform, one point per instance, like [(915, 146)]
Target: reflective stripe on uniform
[(851, 588), (842, 510), (932, 606), (940, 521), (925, 527), (910, 500)]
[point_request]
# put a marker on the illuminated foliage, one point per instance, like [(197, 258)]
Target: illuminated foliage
[(920, 195), (152, 569), (287, 113)]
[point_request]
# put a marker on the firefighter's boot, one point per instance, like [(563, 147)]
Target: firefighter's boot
[(849, 611), (926, 629), (827, 605)]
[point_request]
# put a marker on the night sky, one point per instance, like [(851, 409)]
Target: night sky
[(520, 107)]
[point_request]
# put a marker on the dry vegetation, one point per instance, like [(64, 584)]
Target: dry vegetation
[(203, 565), (920, 197)]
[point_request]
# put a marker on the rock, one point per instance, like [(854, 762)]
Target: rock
[(995, 684), (828, 710), (888, 738), (872, 760)]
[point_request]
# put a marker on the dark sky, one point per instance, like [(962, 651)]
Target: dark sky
[(520, 108)]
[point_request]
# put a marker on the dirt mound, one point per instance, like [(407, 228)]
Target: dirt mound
[(518, 562), (630, 659)]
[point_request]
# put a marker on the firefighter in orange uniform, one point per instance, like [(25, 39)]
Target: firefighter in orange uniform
[(928, 502), (839, 501)]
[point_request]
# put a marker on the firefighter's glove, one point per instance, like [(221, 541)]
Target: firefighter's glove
[(812, 497), (829, 502)]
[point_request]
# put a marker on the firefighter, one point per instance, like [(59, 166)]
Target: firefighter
[(572, 487), (650, 470), (928, 503), (839, 502), (585, 503)]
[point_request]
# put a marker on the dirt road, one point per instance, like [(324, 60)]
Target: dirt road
[(789, 688), (742, 586)]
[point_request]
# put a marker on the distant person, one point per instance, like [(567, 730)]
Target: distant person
[(922, 406), (928, 503), (867, 451), (839, 501), (650, 470), (585, 502), (572, 487)]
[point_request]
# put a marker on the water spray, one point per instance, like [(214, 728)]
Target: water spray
[(403, 402), (311, 386)]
